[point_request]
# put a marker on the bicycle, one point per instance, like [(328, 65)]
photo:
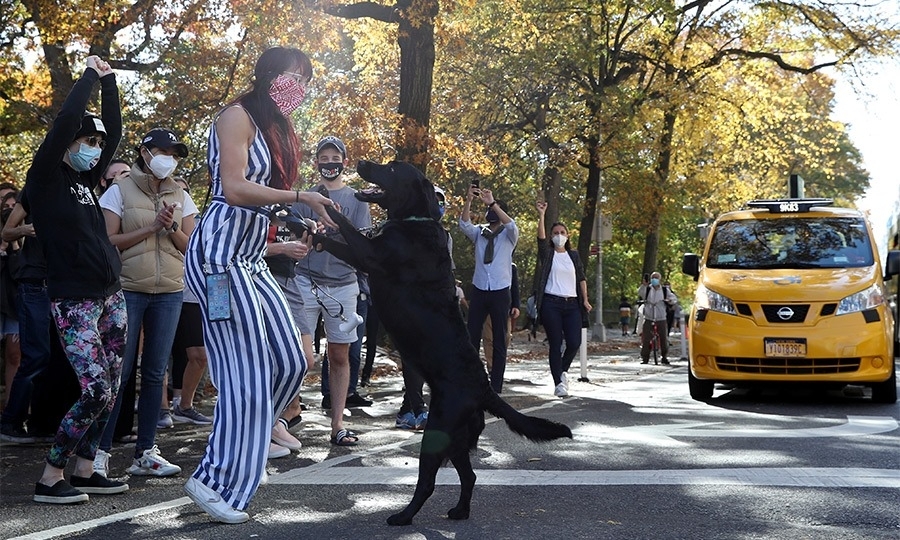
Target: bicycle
[(654, 342), (655, 345)]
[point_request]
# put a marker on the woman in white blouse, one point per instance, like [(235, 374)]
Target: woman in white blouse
[(561, 297)]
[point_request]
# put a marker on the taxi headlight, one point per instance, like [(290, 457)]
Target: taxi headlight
[(869, 298), (707, 299)]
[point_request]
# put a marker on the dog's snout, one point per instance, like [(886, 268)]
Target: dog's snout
[(363, 167)]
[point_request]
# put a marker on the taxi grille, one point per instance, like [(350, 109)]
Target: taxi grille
[(795, 313), (788, 366)]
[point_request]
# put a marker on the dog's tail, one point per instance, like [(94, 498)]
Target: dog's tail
[(530, 427)]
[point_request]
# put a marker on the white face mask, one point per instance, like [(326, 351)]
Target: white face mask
[(162, 166), (559, 240)]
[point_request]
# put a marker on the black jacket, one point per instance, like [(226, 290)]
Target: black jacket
[(32, 267), (81, 261)]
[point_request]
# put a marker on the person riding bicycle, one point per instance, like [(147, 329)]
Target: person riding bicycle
[(656, 298)]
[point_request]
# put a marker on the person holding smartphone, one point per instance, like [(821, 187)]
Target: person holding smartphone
[(149, 218), (494, 243)]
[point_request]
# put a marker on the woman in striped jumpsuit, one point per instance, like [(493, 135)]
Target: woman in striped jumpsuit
[(255, 356)]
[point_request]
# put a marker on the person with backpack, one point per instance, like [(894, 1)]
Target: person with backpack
[(656, 299)]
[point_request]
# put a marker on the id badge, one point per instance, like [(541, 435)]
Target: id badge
[(218, 297)]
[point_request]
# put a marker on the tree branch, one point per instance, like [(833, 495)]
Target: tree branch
[(363, 10)]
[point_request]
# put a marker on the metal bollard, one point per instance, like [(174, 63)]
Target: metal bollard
[(583, 352)]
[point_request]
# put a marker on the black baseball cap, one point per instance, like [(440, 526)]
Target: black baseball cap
[(331, 140), (164, 138), (90, 124)]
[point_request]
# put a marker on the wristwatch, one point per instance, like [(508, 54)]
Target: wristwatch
[(173, 229)]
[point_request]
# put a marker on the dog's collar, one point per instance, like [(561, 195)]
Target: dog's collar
[(377, 230)]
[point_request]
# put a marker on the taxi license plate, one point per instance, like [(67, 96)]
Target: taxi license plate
[(785, 348)]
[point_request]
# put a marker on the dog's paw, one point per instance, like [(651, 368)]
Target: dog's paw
[(399, 519), (458, 513)]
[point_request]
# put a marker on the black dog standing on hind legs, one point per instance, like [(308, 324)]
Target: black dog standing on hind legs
[(409, 273)]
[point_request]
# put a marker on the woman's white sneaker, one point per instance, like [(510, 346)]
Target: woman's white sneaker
[(212, 503), (560, 390), (152, 464), (101, 463)]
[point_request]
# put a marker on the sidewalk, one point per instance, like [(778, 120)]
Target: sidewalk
[(616, 359), (527, 368)]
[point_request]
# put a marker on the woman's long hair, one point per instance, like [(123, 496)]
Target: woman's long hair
[(277, 130), (550, 238)]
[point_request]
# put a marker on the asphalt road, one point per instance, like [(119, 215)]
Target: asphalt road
[(646, 462)]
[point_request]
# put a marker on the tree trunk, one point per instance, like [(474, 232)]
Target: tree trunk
[(591, 196), (416, 40), (657, 203)]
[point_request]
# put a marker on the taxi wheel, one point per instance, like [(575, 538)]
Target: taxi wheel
[(700, 390), (886, 392)]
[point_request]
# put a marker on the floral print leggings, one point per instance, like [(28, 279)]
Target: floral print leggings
[(92, 332)]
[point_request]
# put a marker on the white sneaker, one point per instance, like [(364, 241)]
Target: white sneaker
[(153, 464), (560, 390), (101, 463), (564, 378), (282, 437), (276, 451), (212, 503)]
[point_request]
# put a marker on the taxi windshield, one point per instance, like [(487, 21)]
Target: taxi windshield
[(835, 242)]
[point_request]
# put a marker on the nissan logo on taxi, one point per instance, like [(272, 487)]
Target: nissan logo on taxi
[(785, 313)]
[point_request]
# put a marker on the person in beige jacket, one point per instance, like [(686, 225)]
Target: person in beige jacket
[(149, 218)]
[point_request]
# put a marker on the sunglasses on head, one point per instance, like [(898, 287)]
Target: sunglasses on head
[(94, 140)]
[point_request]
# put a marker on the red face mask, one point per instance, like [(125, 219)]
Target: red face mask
[(287, 93)]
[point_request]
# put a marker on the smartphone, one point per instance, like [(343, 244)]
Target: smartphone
[(476, 183), (218, 297)]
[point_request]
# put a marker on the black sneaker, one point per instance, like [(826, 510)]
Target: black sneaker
[(99, 484), (326, 401), (61, 493), (15, 434), (356, 400)]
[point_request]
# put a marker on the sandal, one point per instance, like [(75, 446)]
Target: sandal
[(345, 437)]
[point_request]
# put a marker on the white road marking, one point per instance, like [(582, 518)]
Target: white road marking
[(663, 435), (82, 526), (760, 476)]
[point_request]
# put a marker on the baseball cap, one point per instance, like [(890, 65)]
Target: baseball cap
[(164, 138), (90, 124), (439, 191), (331, 140)]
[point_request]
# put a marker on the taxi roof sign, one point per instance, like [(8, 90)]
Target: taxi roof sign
[(789, 206)]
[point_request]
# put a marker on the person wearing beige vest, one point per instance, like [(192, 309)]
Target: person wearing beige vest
[(149, 218)]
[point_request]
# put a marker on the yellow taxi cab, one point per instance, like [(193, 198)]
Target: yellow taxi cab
[(791, 290)]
